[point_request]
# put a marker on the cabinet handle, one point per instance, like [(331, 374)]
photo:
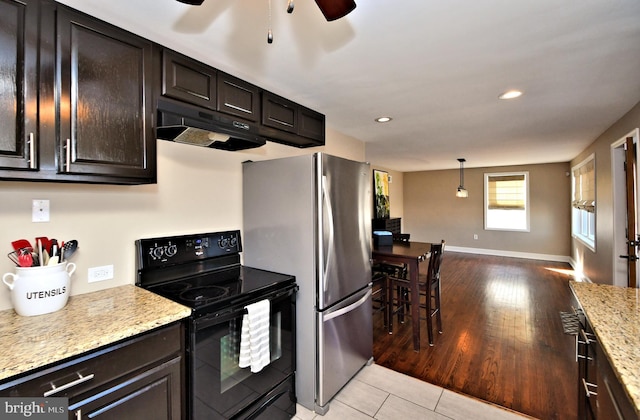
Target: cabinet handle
[(588, 337), (32, 154), (79, 415), (68, 162), (587, 341), (586, 388), (81, 379)]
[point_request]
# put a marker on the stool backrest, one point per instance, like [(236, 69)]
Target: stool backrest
[(437, 250)]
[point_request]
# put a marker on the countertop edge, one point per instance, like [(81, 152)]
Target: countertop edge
[(88, 322)]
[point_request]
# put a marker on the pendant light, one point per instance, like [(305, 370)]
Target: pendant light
[(461, 192)]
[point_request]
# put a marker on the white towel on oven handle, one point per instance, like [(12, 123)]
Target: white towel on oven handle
[(254, 338)]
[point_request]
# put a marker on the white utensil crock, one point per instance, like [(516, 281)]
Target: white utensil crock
[(39, 290)]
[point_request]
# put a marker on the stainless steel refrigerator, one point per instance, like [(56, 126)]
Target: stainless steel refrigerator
[(310, 216)]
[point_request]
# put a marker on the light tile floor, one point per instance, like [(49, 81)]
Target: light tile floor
[(380, 393)]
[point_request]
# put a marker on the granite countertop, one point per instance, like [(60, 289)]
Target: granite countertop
[(614, 315), (87, 322)]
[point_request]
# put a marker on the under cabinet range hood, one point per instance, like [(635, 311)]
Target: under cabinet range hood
[(188, 124)]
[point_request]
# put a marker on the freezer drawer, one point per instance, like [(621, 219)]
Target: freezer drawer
[(345, 344)]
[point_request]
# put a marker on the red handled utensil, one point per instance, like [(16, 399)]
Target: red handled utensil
[(44, 241), (20, 243), (25, 259)]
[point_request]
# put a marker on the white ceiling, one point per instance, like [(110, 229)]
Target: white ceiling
[(436, 67)]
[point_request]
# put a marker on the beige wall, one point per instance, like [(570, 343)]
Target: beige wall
[(433, 212), (198, 190), (598, 265)]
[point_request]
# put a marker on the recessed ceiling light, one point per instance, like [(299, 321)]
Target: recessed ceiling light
[(383, 119), (510, 94)]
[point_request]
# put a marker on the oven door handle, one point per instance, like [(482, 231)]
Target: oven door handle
[(236, 311), (218, 318)]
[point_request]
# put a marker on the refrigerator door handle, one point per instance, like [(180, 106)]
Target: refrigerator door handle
[(326, 204), (349, 308)]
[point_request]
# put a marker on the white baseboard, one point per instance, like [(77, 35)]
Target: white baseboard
[(528, 255), (501, 253)]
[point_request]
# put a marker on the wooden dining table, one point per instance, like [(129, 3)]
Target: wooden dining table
[(411, 254)]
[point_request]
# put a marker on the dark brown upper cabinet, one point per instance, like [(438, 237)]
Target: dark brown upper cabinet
[(191, 81), (188, 80), (86, 100), (237, 97), (287, 122), (19, 96), (105, 111)]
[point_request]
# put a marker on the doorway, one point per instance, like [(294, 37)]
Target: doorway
[(618, 176)]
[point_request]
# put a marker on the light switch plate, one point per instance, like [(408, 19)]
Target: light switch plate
[(40, 211)]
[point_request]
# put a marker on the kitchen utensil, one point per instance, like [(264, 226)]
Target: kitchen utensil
[(20, 243), (35, 258), (53, 260), (69, 248), (13, 256), (53, 247), (25, 259), (45, 257), (46, 244), (40, 256)]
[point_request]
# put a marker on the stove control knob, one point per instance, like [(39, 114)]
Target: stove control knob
[(156, 253), (234, 241), (171, 250), (223, 243)]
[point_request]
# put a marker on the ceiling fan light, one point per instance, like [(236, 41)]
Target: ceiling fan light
[(335, 9), (462, 193)]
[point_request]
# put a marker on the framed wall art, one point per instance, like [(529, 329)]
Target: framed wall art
[(380, 194)]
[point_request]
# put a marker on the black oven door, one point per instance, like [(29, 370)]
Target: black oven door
[(219, 388)]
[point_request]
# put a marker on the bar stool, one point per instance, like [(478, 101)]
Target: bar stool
[(380, 293), (429, 287)]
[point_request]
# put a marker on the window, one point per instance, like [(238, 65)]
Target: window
[(506, 201), (583, 213)]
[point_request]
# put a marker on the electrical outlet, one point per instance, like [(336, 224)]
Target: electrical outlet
[(475, 236), (40, 211), (104, 272)]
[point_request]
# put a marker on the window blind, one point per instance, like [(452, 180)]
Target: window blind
[(507, 192), (584, 187)]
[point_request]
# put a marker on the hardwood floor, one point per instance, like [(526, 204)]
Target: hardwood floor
[(503, 340)]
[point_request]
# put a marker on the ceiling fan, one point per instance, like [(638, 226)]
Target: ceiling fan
[(331, 9)]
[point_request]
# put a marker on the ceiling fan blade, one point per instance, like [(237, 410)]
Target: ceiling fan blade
[(335, 9), (192, 2)]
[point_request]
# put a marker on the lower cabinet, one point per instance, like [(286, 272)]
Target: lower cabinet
[(140, 378), (600, 393), (613, 402)]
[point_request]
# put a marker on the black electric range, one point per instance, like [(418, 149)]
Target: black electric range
[(203, 272)]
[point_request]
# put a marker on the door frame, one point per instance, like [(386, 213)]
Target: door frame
[(618, 187)]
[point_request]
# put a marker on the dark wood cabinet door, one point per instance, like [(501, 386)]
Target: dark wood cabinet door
[(188, 80), (311, 124), (279, 113), (154, 394), (613, 402), (18, 88), (105, 109), (287, 122), (237, 97)]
